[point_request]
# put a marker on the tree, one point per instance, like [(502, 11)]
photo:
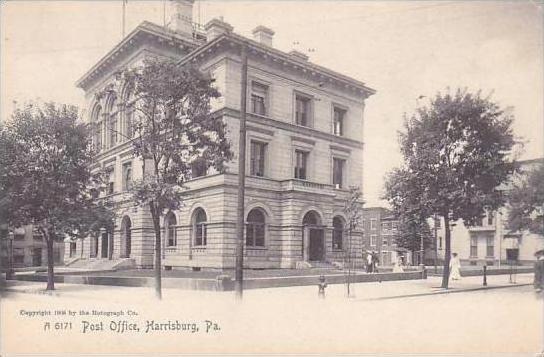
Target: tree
[(526, 201), (456, 154), (174, 132), (45, 160), (413, 225), (353, 210)]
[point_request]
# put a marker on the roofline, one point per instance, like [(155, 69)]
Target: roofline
[(285, 56), (143, 26)]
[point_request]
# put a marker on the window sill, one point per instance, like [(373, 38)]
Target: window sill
[(255, 248)]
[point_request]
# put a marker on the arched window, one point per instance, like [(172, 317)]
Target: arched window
[(255, 228), (112, 110), (128, 117), (311, 218), (170, 223), (96, 119), (337, 233), (199, 227)]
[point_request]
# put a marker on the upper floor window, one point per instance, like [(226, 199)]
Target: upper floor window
[(127, 176), (338, 172), (112, 128), (301, 164), (170, 230), (259, 98), (373, 239), (255, 228), (96, 122), (257, 158), (128, 130), (489, 218), (338, 121), (199, 227), (111, 181), (303, 109), (199, 168), (473, 246), (373, 223)]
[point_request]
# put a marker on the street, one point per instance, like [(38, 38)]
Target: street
[(507, 319)]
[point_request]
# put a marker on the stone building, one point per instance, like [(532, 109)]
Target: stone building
[(27, 248), (490, 242), (304, 140)]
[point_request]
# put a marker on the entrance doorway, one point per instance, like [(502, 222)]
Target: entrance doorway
[(313, 237), (37, 257), (105, 244), (317, 244)]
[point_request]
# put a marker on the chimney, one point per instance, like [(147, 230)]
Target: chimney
[(263, 35), (181, 16), (216, 27), (298, 55)]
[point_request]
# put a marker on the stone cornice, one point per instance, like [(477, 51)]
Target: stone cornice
[(233, 40), (139, 33)]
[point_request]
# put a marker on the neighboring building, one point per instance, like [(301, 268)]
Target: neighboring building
[(28, 248), (490, 240), (304, 140), (380, 227)]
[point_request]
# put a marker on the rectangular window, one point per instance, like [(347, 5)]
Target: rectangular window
[(259, 95), (437, 223), (257, 158), (111, 181), (172, 241), (338, 121), (489, 218), (127, 176), (439, 242), (37, 237), (302, 110), (473, 247), (72, 249), (385, 242), (490, 245), (373, 239), (338, 172), (113, 131), (394, 226), (19, 237), (199, 168), (373, 223), (301, 164)]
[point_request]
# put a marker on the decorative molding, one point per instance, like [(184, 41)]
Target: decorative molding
[(260, 130), (303, 140), (340, 148)]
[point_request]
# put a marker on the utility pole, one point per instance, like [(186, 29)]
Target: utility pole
[(239, 277)]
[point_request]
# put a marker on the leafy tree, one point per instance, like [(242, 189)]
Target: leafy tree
[(526, 201), (353, 210), (174, 132), (45, 160), (455, 156)]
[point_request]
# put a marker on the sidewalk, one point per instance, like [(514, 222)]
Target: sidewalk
[(360, 291)]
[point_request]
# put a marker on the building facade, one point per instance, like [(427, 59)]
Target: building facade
[(27, 249), (304, 140), (490, 242)]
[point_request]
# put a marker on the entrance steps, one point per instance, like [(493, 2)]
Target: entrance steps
[(318, 265), (100, 264)]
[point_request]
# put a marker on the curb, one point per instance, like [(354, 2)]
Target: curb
[(443, 292)]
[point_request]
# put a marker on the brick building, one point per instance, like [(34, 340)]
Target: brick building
[(28, 248), (304, 140)]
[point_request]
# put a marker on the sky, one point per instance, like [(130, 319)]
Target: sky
[(404, 49)]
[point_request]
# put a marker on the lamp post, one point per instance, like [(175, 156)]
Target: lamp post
[(9, 272)]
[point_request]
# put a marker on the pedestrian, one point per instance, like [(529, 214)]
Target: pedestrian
[(322, 285), (539, 271), (455, 265), (375, 262), (397, 268), (368, 262)]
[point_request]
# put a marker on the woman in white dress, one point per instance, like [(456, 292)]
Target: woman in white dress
[(397, 268), (455, 265)]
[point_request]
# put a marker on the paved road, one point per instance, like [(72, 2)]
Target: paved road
[(287, 319)]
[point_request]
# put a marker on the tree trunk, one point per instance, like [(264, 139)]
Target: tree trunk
[(157, 266), (50, 261), (447, 253)]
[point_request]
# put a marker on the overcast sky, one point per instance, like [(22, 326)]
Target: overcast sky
[(404, 50)]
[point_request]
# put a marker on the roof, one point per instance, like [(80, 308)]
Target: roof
[(144, 27), (281, 55)]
